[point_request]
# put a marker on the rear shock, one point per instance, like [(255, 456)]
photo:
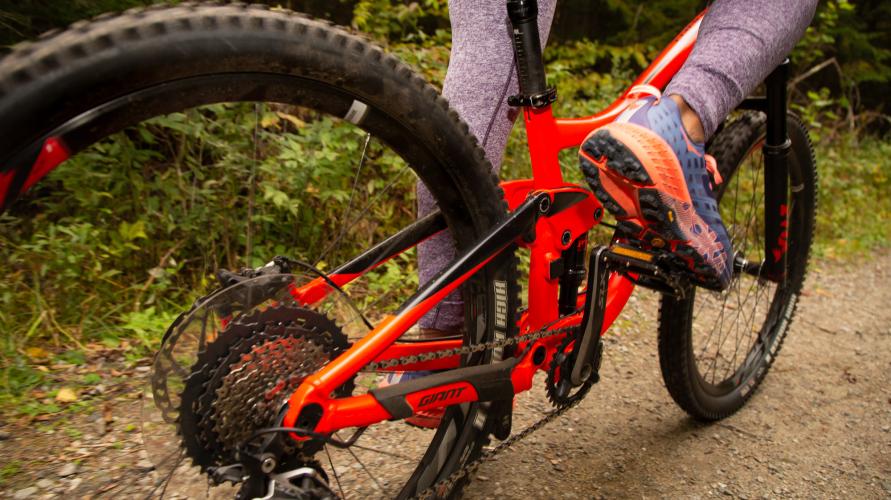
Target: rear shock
[(573, 259)]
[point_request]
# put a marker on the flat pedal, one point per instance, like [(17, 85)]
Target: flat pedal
[(657, 270)]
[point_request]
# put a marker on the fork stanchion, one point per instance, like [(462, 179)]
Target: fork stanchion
[(776, 175)]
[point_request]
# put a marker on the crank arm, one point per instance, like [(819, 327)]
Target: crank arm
[(586, 348)]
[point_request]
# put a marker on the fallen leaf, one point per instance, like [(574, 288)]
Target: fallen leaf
[(66, 395), (37, 354), (293, 119), (269, 120)]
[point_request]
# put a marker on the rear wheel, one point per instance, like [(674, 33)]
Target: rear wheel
[(716, 347), (322, 104)]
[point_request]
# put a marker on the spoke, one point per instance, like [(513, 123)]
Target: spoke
[(744, 334), (346, 211), (697, 308), (765, 292), (382, 452), (734, 287), (202, 341), (752, 297), (252, 188), (373, 478), (721, 335), (396, 178), (719, 324), (166, 481), (740, 309), (334, 471), (736, 330), (741, 314), (751, 322)]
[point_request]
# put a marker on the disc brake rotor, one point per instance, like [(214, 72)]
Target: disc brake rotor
[(227, 366)]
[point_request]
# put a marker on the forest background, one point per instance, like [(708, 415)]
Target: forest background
[(80, 278)]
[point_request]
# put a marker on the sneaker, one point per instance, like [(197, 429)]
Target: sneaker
[(660, 187), (426, 419)]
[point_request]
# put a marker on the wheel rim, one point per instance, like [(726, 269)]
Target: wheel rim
[(332, 246)]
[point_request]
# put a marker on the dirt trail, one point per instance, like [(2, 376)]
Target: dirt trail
[(820, 425)]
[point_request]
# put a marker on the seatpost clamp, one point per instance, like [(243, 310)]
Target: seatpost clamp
[(540, 100)]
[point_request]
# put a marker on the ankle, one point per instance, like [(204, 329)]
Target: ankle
[(691, 121)]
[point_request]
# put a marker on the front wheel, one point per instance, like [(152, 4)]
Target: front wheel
[(716, 347)]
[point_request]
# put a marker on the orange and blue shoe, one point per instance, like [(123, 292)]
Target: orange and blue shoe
[(660, 187)]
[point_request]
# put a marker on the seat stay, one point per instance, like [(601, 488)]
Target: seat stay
[(408, 237)]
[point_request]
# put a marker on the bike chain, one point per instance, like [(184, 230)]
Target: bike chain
[(449, 483), (469, 468), (469, 349)]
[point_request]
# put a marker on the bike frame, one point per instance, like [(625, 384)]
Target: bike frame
[(547, 215), (556, 212)]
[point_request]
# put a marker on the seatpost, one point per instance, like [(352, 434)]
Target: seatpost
[(776, 174), (523, 15)]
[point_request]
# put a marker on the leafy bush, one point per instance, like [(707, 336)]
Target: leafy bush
[(131, 230)]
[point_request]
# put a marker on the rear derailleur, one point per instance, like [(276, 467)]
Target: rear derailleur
[(268, 471)]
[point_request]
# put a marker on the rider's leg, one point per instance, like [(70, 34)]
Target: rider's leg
[(739, 43), (651, 173), (481, 76)]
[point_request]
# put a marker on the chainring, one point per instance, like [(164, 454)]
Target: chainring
[(559, 391), (242, 379)]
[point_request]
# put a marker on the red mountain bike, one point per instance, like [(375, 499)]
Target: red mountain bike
[(270, 381)]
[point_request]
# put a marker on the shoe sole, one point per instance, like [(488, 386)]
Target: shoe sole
[(626, 188)]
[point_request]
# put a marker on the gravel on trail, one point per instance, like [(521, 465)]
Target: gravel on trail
[(820, 425)]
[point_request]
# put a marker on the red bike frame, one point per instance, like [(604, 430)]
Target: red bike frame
[(547, 136)]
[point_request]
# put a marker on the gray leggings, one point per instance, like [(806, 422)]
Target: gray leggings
[(739, 43)]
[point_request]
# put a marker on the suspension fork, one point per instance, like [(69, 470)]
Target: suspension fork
[(777, 146)]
